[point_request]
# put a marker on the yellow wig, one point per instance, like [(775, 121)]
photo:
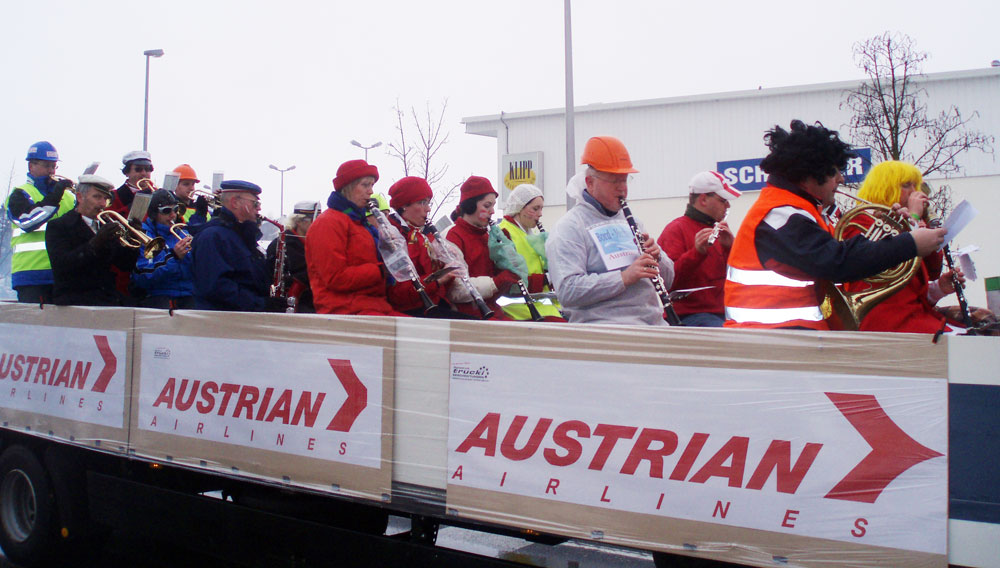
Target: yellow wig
[(883, 183)]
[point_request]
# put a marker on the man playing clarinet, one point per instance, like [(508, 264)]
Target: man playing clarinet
[(595, 265), (698, 242)]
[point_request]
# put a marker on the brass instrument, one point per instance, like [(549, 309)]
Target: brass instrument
[(131, 237), (211, 197), (875, 222), (177, 230), (147, 185), (278, 287)]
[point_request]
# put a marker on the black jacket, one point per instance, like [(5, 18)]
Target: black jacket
[(83, 275)]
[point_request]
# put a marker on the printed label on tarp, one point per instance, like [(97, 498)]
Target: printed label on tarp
[(77, 374), (858, 459), (315, 400)]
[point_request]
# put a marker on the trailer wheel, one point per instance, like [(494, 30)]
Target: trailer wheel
[(26, 508)]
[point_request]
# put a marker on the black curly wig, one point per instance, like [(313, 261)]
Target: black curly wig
[(805, 152)]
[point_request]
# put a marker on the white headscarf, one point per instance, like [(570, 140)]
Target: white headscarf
[(521, 196)]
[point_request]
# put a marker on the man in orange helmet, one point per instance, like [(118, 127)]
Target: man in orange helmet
[(192, 211), (596, 268)]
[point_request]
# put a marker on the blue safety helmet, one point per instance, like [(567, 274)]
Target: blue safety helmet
[(43, 151)]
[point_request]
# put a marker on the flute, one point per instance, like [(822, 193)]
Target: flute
[(717, 229), (661, 289)]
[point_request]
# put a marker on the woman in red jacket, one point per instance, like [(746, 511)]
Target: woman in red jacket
[(345, 272), (470, 234), (910, 309)]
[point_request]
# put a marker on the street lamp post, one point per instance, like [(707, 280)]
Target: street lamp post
[(282, 172), (145, 107), (365, 148)]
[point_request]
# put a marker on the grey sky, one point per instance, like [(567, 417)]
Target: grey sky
[(247, 84)]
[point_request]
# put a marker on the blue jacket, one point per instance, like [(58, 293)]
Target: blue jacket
[(229, 270), (164, 274)]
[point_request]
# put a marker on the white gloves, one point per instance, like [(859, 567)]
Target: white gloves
[(459, 294)]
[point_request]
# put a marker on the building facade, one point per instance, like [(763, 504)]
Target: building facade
[(672, 139)]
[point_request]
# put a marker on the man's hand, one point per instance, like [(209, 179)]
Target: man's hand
[(201, 206), (701, 240), (726, 236), (917, 203), (106, 236), (182, 247), (650, 247), (927, 240), (644, 266), (56, 194)]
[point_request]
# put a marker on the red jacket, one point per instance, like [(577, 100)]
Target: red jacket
[(404, 296), (693, 269), (908, 310), (344, 269), (474, 244)]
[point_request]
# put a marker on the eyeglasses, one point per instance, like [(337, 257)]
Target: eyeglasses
[(615, 181), (256, 202), (141, 168), (425, 202), (167, 209)]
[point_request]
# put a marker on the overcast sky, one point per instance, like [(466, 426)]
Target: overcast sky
[(251, 83)]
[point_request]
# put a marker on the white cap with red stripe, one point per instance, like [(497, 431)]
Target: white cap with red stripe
[(713, 182)]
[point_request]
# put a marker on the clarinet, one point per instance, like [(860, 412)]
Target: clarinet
[(661, 289), (463, 274), (959, 287), (532, 309), (386, 227)]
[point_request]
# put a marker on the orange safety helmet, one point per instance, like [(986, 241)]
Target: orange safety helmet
[(186, 172), (607, 154)]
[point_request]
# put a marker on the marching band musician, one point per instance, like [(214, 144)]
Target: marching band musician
[(229, 270), (910, 309), (136, 165), (698, 261), (194, 212), (166, 278), (410, 199), (522, 213), (82, 253), (30, 207), (593, 260), (296, 272), (470, 233), (345, 272), (785, 247)]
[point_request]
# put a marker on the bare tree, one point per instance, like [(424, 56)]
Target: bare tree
[(419, 154), (889, 110)]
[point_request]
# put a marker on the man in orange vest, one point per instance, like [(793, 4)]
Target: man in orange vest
[(785, 249)]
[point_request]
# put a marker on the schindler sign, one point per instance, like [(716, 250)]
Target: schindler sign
[(746, 174)]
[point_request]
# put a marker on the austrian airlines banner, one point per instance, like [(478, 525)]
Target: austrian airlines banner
[(76, 374), (858, 459), (316, 400)]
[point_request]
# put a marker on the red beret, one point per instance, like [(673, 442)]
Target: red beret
[(476, 186), (409, 190), (352, 170)]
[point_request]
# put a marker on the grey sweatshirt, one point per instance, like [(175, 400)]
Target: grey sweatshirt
[(588, 291)]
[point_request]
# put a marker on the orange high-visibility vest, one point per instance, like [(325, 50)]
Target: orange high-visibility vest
[(761, 298)]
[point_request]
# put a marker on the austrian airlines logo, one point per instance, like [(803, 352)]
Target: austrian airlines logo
[(670, 456), (60, 372), (893, 450)]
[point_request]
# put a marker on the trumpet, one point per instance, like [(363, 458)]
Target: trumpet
[(131, 237), (177, 230), (147, 185), (211, 197)]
